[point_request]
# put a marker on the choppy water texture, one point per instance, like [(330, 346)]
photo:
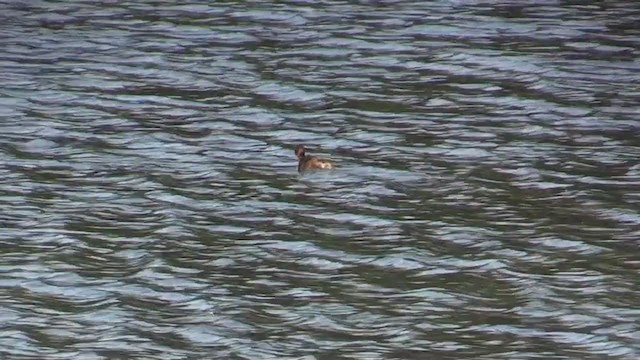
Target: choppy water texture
[(486, 203)]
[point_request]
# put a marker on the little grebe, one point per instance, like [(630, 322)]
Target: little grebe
[(306, 162)]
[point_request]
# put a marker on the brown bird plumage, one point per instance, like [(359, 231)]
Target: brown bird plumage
[(306, 162)]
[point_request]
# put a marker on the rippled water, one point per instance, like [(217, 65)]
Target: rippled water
[(485, 205)]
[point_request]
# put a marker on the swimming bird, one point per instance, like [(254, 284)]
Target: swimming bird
[(306, 162)]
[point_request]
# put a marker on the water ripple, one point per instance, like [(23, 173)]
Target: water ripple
[(484, 203)]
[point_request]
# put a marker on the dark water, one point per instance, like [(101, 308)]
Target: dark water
[(486, 203)]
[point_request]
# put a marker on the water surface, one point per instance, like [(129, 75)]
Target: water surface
[(485, 203)]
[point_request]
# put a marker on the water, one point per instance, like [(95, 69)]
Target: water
[(485, 203)]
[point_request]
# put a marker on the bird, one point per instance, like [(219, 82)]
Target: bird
[(306, 162)]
